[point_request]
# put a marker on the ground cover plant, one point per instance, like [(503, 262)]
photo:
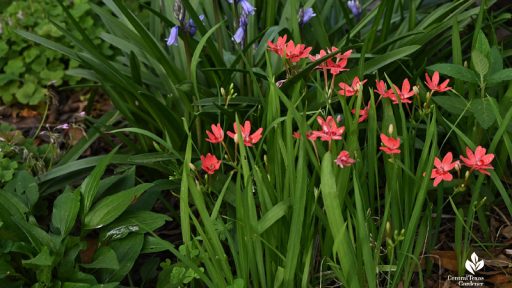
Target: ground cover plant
[(293, 144)]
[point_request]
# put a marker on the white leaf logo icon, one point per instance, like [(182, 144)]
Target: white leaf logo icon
[(474, 265)]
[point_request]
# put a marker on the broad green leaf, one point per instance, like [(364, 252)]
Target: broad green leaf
[(500, 76), (42, 259), (480, 62), (127, 251), (483, 112), (109, 208), (453, 104), (89, 187), (37, 236), (455, 71), (138, 221), (482, 44), (104, 258), (65, 211)]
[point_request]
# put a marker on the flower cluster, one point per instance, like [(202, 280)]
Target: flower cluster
[(476, 161), (210, 163), (243, 21), (187, 26)]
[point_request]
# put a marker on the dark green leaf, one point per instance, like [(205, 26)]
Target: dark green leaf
[(453, 104), (109, 208), (104, 258), (65, 211), (500, 76), (455, 71), (483, 112)]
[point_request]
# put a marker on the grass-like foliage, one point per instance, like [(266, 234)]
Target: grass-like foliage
[(308, 150)]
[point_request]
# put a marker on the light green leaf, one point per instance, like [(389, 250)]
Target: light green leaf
[(480, 62), (25, 94), (482, 44), (15, 66)]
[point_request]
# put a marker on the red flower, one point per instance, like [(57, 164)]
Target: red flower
[(382, 89), (479, 160), (349, 90), (249, 139), (363, 113), (344, 160), (434, 83), (296, 52), (391, 145), (210, 163), (403, 94), (296, 135), (330, 131), (278, 48), (442, 170), (335, 67), (289, 50), (217, 136)]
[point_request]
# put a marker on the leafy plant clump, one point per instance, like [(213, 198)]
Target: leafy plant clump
[(25, 68)]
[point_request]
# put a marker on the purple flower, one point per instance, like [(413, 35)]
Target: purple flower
[(305, 15), (191, 26), (240, 32), (173, 36), (355, 7), (63, 126), (247, 7)]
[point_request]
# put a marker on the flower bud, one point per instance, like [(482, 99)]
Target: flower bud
[(390, 129), (179, 11), (192, 167)]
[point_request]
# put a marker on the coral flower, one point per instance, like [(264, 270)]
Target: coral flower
[(249, 139), (210, 163), (330, 131), (382, 89), (404, 94), (289, 50), (391, 144), (296, 52), (363, 113), (344, 160), (479, 160), (349, 90), (216, 136), (433, 84), (442, 170), (278, 47), (334, 67)]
